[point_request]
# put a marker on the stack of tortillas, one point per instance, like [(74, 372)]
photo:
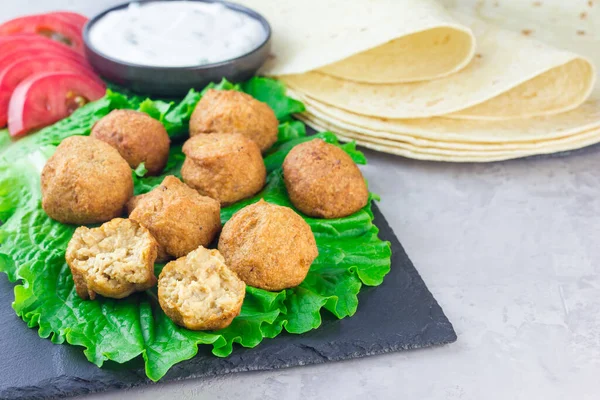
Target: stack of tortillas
[(409, 77)]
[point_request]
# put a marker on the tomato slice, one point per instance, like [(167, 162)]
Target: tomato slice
[(33, 43), (53, 26), (8, 58), (73, 17), (22, 68), (43, 99)]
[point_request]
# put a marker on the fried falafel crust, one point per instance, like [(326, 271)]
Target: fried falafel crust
[(230, 111), (323, 181), (113, 260), (226, 167), (85, 181), (138, 137), (177, 216), (268, 246), (200, 292)]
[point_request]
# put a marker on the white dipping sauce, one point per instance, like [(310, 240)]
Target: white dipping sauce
[(176, 33)]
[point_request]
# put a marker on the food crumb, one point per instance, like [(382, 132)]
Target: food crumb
[(495, 4), (581, 32), (583, 15), (526, 32), (591, 3), (537, 3), (479, 55)]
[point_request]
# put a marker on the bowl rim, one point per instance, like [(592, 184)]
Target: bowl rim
[(234, 6)]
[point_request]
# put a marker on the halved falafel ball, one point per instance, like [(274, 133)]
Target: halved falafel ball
[(177, 216), (199, 292), (225, 166), (113, 260), (268, 246), (323, 181), (85, 181), (230, 111), (138, 137)]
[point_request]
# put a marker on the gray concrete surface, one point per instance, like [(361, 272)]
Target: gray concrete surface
[(510, 250)]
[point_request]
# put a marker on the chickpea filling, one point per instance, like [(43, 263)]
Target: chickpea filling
[(200, 288)]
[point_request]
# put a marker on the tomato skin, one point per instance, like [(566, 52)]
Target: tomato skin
[(43, 23), (11, 53), (44, 75), (73, 17), (20, 69), (19, 40), (42, 99)]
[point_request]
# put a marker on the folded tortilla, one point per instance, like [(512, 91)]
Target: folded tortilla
[(422, 155), (451, 147), (441, 129), (417, 88), (569, 25), (342, 38), (511, 76), (578, 141)]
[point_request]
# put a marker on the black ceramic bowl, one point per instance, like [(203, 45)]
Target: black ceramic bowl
[(177, 81)]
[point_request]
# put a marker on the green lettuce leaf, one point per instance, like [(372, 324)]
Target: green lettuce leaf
[(5, 140), (275, 156), (272, 92), (140, 171), (32, 248)]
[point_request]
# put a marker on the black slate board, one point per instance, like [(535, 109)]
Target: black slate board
[(400, 314)]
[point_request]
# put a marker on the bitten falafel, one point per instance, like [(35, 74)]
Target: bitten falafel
[(85, 181), (138, 137), (268, 246), (323, 181), (199, 292), (226, 167), (113, 260), (177, 216), (230, 111)]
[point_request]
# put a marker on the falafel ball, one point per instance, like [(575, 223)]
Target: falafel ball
[(225, 166), (113, 260), (138, 137), (268, 246), (85, 181), (323, 181), (199, 292), (230, 111), (177, 216)]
